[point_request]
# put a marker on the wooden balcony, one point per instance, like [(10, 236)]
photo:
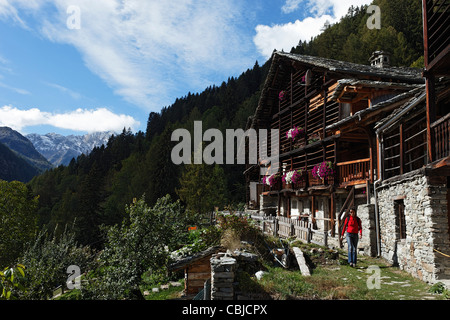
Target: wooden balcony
[(347, 173), (436, 32), (440, 131), (302, 184), (319, 182), (354, 172)]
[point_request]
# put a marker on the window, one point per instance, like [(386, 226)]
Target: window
[(400, 221), (294, 204)]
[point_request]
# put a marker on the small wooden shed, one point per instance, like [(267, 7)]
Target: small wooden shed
[(197, 269)]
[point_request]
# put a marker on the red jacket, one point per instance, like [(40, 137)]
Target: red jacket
[(352, 225)]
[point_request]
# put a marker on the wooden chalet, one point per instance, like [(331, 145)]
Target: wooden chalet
[(383, 134), (336, 104)]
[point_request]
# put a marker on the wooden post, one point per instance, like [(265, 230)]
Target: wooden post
[(378, 156), (306, 120), (324, 116), (431, 115), (367, 191), (263, 227), (401, 148), (335, 142), (308, 234), (332, 212), (291, 96), (292, 230), (279, 205), (275, 227), (425, 32)]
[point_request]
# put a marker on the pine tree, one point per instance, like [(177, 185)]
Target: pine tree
[(202, 188)]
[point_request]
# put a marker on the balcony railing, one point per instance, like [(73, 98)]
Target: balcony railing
[(346, 174), (441, 137), (319, 182), (354, 172), (437, 28)]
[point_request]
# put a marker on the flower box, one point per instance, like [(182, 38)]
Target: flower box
[(294, 179), (295, 133), (287, 185), (273, 181), (322, 174)]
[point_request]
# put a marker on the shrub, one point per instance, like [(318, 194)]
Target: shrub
[(47, 260), (142, 243)]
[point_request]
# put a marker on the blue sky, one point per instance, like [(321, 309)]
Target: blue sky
[(77, 66)]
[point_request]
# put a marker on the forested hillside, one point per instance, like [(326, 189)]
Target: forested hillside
[(93, 190), (13, 167), (401, 34)]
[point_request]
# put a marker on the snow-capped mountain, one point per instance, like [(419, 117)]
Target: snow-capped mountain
[(60, 150)]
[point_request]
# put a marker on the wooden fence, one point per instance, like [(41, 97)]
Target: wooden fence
[(441, 134), (284, 227)]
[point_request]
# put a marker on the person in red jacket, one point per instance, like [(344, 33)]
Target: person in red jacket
[(352, 225)]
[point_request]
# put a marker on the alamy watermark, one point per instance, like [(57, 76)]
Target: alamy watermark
[(73, 280), (374, 21), (213, 153), (73, 21), (374, 280)]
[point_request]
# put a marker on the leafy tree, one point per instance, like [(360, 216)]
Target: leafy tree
[(17, 219), (11, 279), (47, 259), (141, 243)]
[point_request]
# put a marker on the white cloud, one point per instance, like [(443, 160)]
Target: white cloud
[(286, 36), (144, 50), (100, 119)]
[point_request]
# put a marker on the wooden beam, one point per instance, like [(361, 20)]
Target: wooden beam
[(401, 148), (352, 161), (358, 98), (313, 209), (332, 212), (431, 114), (353, 137), (324, 117)]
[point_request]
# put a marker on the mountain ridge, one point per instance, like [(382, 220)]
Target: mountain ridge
[(60, 150), (23, 148)]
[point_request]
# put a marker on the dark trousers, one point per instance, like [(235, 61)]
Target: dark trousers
[(352, 242)]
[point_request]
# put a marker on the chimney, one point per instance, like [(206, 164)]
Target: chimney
[(380, 59)]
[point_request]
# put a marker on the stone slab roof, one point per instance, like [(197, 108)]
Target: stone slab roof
[(409, 74)]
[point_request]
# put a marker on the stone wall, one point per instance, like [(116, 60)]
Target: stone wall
[(223, 269), (368, 242), (268, 205), (425, 209)]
